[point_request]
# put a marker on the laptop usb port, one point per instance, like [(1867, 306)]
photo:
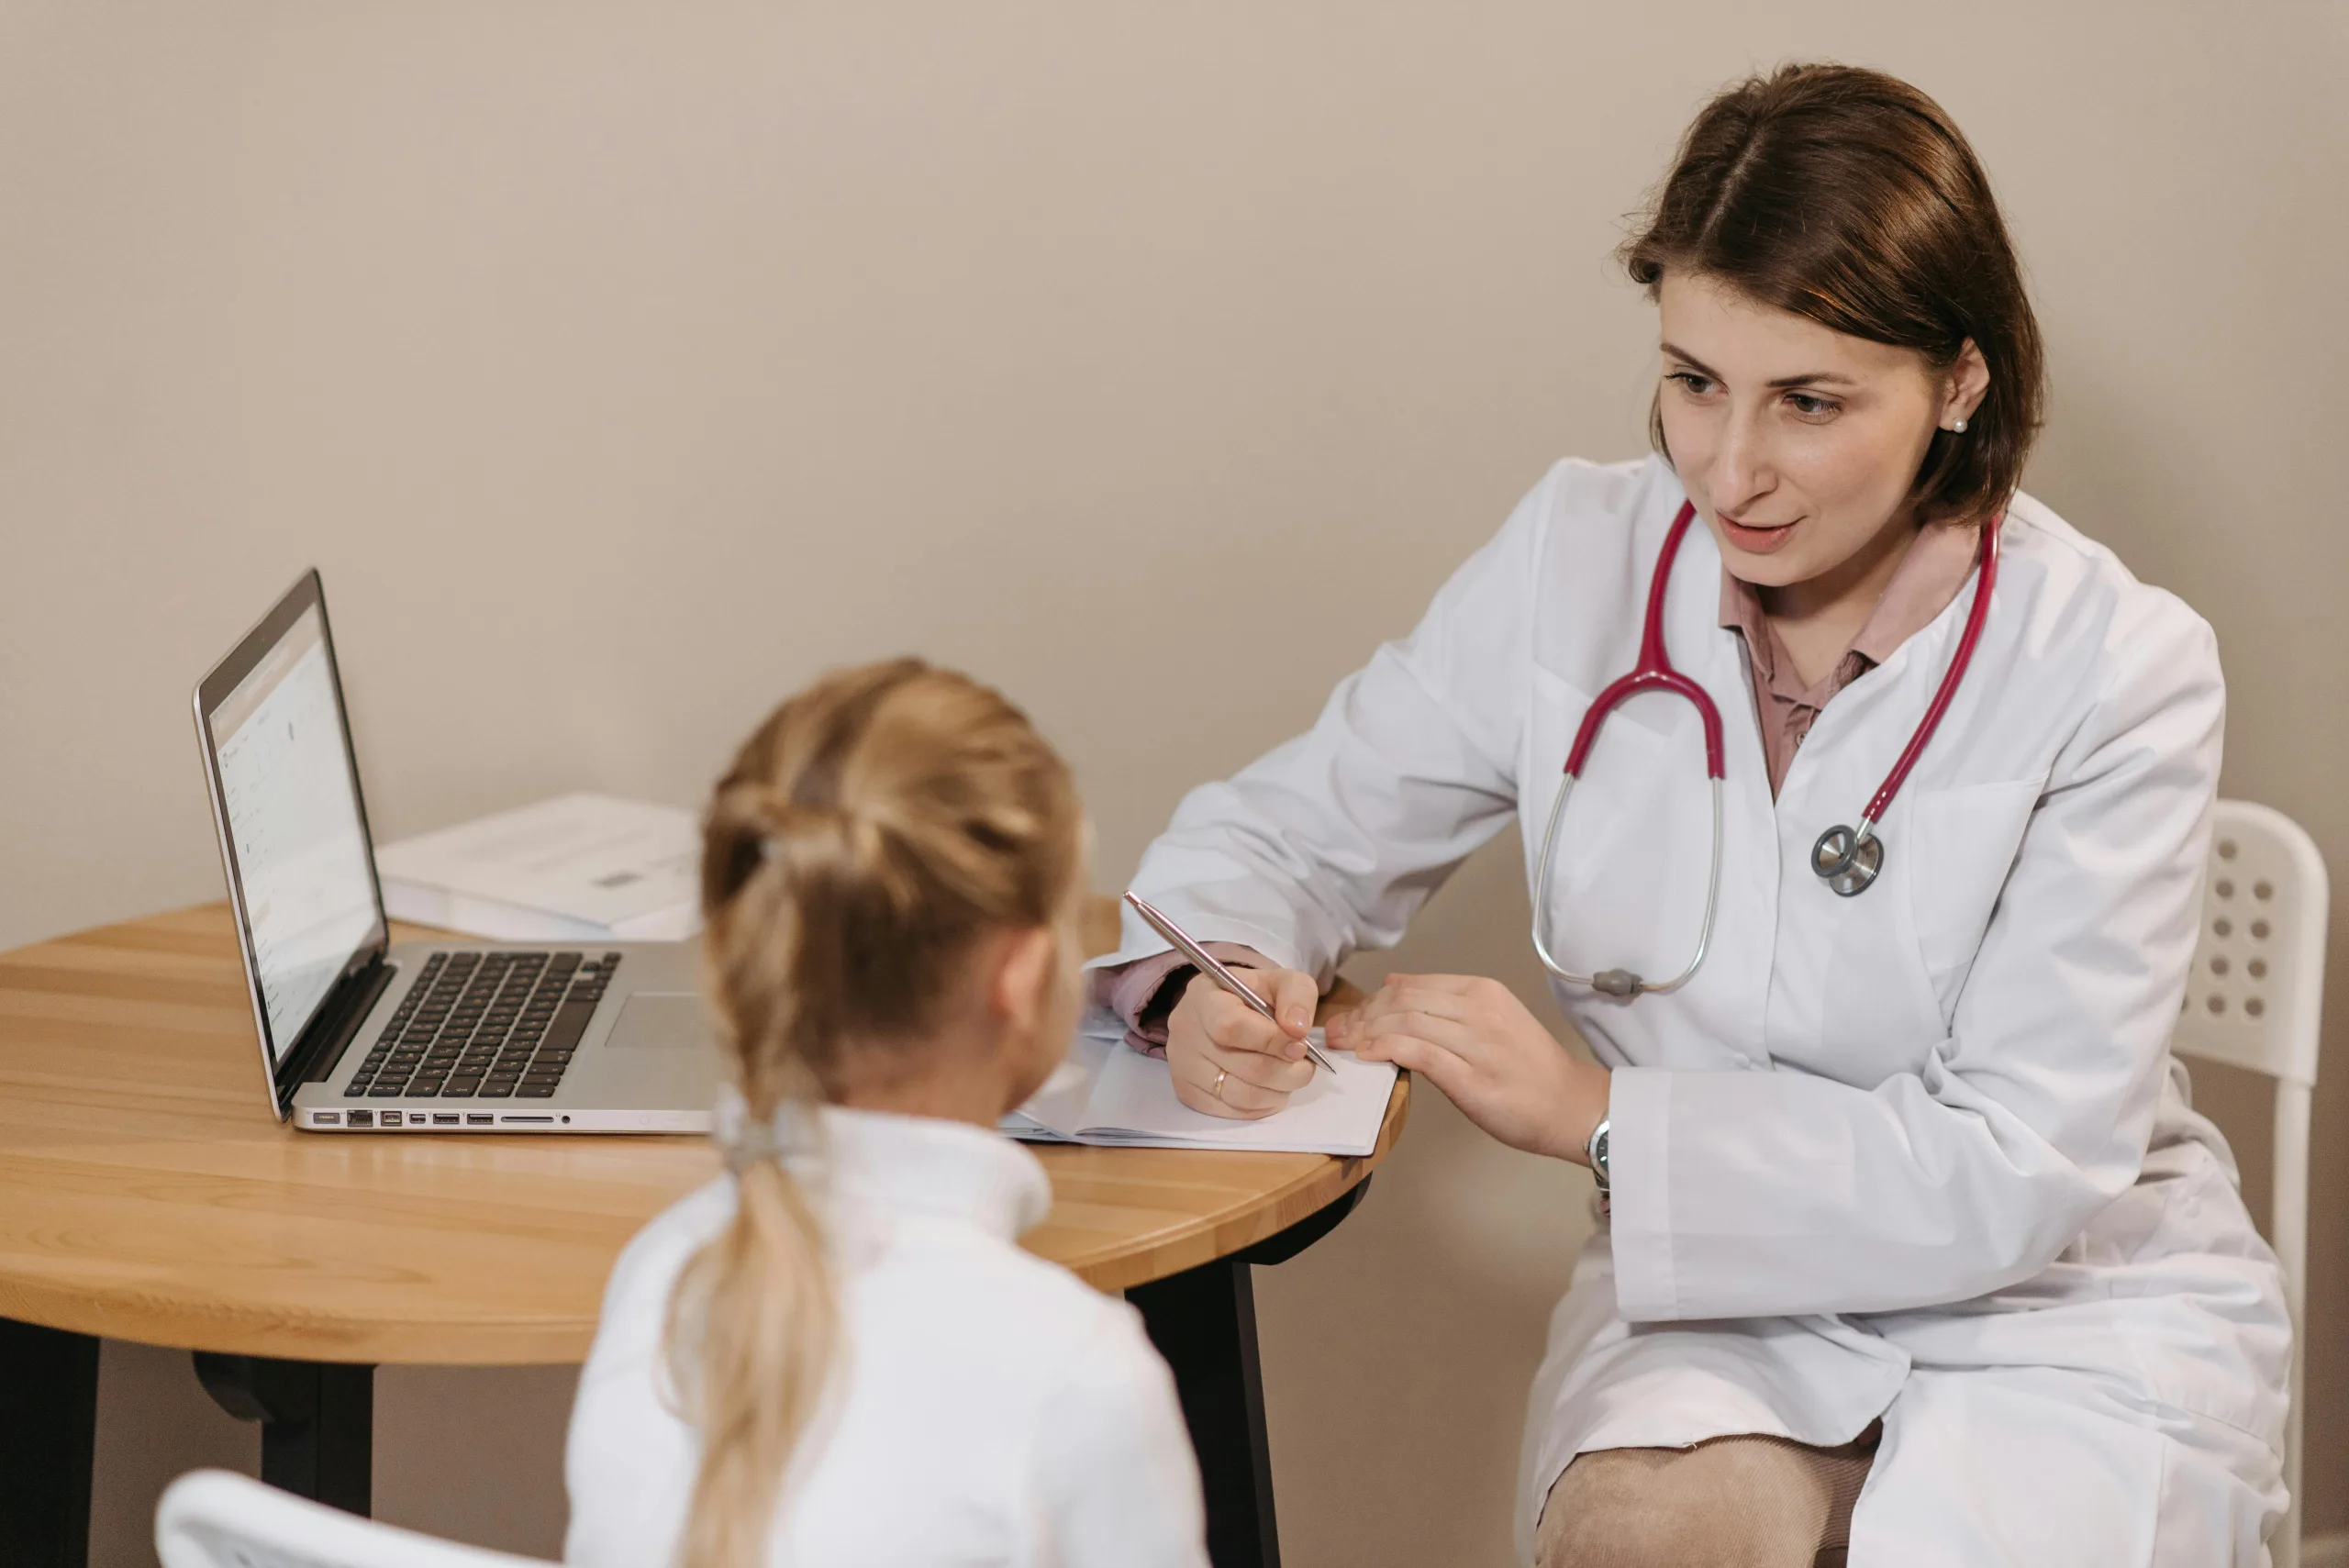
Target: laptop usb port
[(363, 1118), (444, 1119), (480, 1119), (325, 1118)]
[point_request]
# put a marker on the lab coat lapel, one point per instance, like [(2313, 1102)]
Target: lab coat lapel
[(1852, 999)]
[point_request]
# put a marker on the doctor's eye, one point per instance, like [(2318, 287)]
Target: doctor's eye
[(1691, 383), (1813, 407)]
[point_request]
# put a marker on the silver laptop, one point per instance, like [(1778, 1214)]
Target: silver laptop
[(361, 1036)]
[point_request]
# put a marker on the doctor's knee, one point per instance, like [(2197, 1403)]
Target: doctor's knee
[(1732, 1503)]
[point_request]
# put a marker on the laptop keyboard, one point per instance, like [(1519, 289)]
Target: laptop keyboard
[(489, 1026)]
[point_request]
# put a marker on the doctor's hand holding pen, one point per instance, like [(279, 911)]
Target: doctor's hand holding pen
[(1227, 1059)]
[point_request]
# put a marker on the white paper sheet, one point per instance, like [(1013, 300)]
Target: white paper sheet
[(1106, 1093)]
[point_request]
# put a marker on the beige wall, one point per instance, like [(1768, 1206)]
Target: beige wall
[(624, 364)]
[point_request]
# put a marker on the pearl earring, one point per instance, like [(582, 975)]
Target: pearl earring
[(1957, 426)]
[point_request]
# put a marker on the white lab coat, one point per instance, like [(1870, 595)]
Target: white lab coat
[(1922, 1154)]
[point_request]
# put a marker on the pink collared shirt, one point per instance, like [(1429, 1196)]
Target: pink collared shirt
[(1922, 585)]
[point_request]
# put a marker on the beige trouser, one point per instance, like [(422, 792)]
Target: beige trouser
[(1744, 1501)]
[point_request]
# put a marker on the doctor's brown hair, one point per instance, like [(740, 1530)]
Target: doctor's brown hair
[(868, 833), (1847, 197)]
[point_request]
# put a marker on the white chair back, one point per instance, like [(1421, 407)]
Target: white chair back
[(2255, 1000), (209, 1518)]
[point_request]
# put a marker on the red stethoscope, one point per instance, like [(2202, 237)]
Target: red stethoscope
[(1848, 860)]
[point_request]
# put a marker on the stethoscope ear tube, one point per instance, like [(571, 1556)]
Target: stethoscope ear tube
[(1654, 673), (1619, 982), (1960, 660), (1849, 859)]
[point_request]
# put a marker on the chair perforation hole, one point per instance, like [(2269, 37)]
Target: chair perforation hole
[(2259, 930), (2219, 964), (2226, 849), (2223, 929), (2258, 967), (2263, 891), (2217, 1003), (2254, 1006), (2225, 889)]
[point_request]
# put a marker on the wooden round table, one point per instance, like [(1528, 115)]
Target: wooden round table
[(146, 1193)]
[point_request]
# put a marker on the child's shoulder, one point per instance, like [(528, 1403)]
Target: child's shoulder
[(646, 1270), (1034, 1334), (986, 1276), (946, 1280)]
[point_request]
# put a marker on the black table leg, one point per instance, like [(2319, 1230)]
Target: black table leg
[(317, 1419), (1203, 1321), (48, 1420)]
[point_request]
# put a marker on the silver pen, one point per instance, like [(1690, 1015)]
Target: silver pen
[(1182, 943)]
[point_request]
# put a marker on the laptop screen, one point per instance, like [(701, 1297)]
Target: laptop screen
[(293, 823)]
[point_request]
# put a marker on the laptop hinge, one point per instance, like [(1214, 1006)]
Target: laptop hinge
[(321, 1045)]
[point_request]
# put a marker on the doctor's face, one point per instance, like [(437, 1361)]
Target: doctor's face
[(1798, 444)]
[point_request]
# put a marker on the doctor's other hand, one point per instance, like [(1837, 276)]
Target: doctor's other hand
[(1229, 1061), (1474, 1039)]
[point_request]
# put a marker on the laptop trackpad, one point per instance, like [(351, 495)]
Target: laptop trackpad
[(661, 1020)]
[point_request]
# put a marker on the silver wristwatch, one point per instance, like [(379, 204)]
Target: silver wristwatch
[(1595, 1152)]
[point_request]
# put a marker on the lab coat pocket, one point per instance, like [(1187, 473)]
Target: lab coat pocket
[(1964, 839)]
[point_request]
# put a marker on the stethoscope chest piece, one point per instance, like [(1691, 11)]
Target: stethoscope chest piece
[(1846, 859)]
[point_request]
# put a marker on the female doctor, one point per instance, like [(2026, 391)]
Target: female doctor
[(1917, 1249)]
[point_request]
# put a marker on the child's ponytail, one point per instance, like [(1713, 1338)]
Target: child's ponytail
[(867, 832)]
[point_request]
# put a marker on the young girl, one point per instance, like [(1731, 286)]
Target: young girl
[(837, 1353)]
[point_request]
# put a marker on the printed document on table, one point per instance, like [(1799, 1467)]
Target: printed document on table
[(579, 867)]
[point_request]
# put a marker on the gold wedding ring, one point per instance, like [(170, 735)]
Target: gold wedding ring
[(1220, 1075)]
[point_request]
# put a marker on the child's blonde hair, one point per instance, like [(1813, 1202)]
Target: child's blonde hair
[(868, 832)]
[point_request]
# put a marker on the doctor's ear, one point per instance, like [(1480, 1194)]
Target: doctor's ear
[(1963, 386)]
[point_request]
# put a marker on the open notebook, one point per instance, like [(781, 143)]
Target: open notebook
[(1106, 1093)]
